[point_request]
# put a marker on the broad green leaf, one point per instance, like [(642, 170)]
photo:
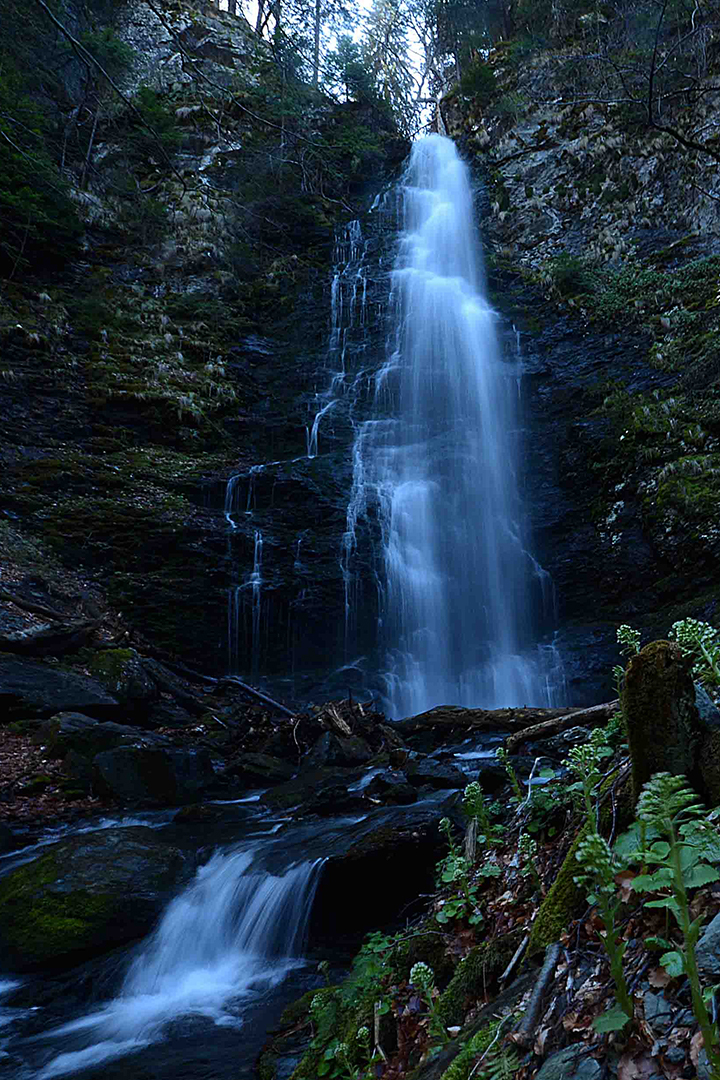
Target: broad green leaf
[(700, 874), (673, 962), (667, 902), (655, 942), (613, 1020)]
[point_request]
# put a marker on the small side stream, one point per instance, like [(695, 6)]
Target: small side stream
[(195, 999)]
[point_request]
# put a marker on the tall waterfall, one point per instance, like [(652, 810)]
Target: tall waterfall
[(460, 592)]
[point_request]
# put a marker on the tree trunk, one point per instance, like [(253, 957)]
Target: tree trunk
[(316, 45)]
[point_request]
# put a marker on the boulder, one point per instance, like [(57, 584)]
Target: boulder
[(71, 731), (318, 791), (260, 769), (153, 775), (123, 673), (31, 688), (86, 895), (333, 749), (391, 787), (437, 774), (707, 950)]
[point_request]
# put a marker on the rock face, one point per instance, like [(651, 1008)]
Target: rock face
[(31, 687), (152, 775), (86, 895)]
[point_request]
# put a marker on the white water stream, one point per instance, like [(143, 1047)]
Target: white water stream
[(437, 463), (231, 936)]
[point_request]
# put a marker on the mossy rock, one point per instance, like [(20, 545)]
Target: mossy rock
[(85, 896), (663, 724), (481, 967), (562, 904), (121, 671)]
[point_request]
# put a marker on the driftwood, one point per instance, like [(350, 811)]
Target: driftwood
[(526, 1031), (597, 714), (258, 695), (455, 717), (48, 639)]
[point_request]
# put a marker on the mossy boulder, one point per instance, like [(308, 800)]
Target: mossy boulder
[(562, 904), (122, 672), (663, 724), (479, 969), (31, 688), (85, 896)]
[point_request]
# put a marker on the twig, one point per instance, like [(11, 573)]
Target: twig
[(525, 1034), (516, 956)]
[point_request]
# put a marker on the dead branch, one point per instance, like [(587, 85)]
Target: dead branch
[(597, 714)]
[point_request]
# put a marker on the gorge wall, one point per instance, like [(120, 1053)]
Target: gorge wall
[(186, 343)]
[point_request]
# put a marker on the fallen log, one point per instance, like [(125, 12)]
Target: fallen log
[(258, 695), (449, 717), (48, 639), (597, 714)]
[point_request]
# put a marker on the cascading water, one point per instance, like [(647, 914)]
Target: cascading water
[(231, 936), (437, 461)]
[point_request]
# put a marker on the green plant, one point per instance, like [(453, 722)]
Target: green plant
[(628, 639), (670, 807), (455, 869), (569, 274), (600, 865), (584, 762), (527, 850), (701, 642), (474, 807), (502, 756), (422, 978)]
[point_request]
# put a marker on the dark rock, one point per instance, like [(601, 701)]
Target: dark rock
[(322, 790), (71, 731), (153, 776), (8, 841), (707, 949), (123, 673), (435, 774), (337, 750), (658, 1012), (32, 688), (572, 1061), (260, 769), (391, 787), (707, 709), (86, 895)]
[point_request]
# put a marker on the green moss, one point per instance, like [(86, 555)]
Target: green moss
[(658, 702), (480, 968), (41, 925), (109, 665), (477, 1045), (562, 904)]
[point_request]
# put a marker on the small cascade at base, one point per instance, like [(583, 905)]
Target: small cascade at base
[(233, 934)]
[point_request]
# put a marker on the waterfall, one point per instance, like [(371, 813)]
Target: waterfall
[(436, 462), (231, 935)]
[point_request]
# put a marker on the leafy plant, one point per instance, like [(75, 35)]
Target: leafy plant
[(628, 639), (455, 869), (501, 755), (422, 978), (680, 858), (584, 762), (701, 642), (527, 850), (600, 865)]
